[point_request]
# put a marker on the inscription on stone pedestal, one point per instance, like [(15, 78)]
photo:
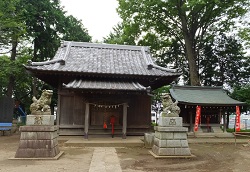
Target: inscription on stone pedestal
[(172, 122), (38, 120)]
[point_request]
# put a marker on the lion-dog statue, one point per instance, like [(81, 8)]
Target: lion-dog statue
[(41, 106)]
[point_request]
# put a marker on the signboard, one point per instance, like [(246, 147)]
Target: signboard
[(237, 119), (6, 109), (197, 118)]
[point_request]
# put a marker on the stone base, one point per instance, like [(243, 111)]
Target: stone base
[(171, 151), (169, 156), (149, 140), (170, 121), (170, 138), (40, 158), (38, 142), (40, 120)]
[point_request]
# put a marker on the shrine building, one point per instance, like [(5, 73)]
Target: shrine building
[(215, 104), (97, 82)]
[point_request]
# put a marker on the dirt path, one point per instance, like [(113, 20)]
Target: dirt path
[(217, 157), (209, 157)]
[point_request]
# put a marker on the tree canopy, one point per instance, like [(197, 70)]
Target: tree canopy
[(31, 30), (187, 23)]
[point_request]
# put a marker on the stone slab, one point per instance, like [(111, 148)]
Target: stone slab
[(38, 144), (35, 153), (184, 144), (41, 158), (160, 143), (38, 135), (171, 135), (163, 151), (173, 144), (40, 120), (149, 140), (164, 135), (34, 128), (174, 151), (176, 156), (182, 151), (171, 129), (180, 135), (170, 121)]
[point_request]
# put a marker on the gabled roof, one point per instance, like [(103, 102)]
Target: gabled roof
[(206, 96), (109, 59), (105, 85)]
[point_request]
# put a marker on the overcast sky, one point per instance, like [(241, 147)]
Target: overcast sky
[(98, 16)]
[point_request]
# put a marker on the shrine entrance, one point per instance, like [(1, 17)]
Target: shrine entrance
[(101, 115), (106, 119)]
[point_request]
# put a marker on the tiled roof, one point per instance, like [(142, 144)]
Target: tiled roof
[(90, 58), (105, 85), (195, 95)]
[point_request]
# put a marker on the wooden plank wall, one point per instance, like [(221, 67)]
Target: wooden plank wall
[(72, 110)]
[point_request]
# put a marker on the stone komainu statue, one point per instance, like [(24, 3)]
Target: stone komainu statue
[(169, 108), (41, 106)]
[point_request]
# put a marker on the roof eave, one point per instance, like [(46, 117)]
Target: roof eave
[(211, 104)]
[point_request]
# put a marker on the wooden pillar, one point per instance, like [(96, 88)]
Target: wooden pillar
[(224, 121), (191, 121), (86, 125), (227, 119), (58, 112), (124, 124)]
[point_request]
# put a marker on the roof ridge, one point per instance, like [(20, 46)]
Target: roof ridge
[(61, 61), (197, 87), (52, 61), (150, 63), (104, 45)]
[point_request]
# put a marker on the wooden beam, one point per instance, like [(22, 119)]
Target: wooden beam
[(191, 121), (224, 121), (58, 107), (124, 124), (86, 125)]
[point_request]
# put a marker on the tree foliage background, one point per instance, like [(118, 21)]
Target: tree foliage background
[(32, 30), (202, 38)]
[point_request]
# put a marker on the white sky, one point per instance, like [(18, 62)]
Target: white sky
[(98, 16)]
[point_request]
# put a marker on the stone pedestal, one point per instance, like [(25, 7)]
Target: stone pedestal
[(38, 138), (170, 138), (39, 120)]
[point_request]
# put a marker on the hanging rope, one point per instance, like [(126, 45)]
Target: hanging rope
[(107, 106)]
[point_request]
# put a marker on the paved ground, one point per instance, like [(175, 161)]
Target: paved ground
[(105, 159), (212, 154)]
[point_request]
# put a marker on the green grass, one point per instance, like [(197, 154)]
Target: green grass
[(230, 130)]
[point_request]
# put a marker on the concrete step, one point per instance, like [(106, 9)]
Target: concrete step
[(217, 129), (104, 142)]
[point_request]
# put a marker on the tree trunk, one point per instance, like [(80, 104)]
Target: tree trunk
[(11, 83), (34, 80), (193, 69), (189, 45)]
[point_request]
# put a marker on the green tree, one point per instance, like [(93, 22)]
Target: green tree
[(73, 30), (181, 20), (12, 29), (41, 25), (224, 62), (46, 25), (242, 93), (42, 19), (119, 35)]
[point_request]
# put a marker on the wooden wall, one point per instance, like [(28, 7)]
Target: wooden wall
[(72, 111)]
